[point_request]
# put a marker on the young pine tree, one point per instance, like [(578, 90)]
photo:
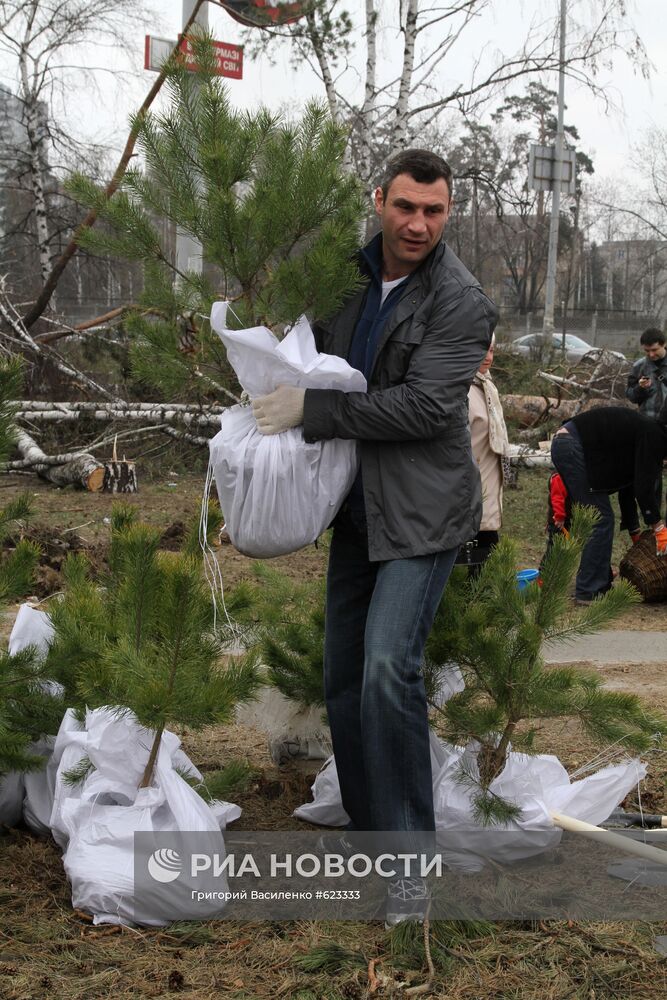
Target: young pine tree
[(495, 633), (144, 642), (269, 202), (27, 709), (288, 633)]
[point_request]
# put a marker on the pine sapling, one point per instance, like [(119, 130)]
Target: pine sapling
[(268, 199), (27, 707), (288, 633), (144, 642), (495, 633)]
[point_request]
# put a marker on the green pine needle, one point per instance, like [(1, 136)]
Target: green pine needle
[(330, 957)]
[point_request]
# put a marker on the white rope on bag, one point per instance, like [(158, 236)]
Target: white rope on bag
[(619, 754), (212, 570), (616, 753)]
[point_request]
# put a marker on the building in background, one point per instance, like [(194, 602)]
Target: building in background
[(90, 285)]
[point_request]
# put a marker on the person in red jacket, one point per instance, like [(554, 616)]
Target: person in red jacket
[(559, 513), (560, 505), (611, 449)]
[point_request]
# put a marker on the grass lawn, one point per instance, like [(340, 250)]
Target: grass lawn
[(50, 952)]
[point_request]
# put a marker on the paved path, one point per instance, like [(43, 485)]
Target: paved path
[(611, 646)]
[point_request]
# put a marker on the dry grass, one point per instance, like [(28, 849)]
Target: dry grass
[(49, 951)]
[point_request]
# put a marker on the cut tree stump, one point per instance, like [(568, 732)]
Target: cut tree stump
[(120, 477)]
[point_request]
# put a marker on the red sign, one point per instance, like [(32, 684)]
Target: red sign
[(229, 58)]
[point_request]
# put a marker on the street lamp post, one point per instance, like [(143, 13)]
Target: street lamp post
[(552, 260), (189, 250)]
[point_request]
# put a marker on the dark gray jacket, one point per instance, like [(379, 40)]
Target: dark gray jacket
[(421, 485), (651, 400)]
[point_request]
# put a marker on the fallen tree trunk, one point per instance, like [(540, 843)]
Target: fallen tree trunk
[(528, 411), (184, 413), (79, 470), (529, 458)]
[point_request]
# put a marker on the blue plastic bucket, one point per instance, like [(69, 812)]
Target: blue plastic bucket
[(526, 576)]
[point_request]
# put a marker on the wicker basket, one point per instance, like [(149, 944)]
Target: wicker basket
[(645, 570)]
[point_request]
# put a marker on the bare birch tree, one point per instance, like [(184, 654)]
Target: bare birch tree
[(39, 40), (401, 51)]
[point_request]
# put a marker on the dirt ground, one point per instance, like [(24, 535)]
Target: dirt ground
[(47, 950)]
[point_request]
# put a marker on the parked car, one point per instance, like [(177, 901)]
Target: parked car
[(575, 347)]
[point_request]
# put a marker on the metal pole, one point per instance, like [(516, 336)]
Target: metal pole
[(552, 261), (189, 250)]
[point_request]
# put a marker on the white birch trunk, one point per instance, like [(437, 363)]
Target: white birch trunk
[(367, 128), (36, 143), (48, 412), (323, 63), (16, 325), (405, 86), (120, 477)]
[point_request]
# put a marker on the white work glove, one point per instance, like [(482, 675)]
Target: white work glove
[(280, 410)]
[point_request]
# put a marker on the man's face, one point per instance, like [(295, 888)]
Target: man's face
[(655, 351), (413, 218)]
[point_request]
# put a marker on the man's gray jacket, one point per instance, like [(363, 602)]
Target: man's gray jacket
[(421, 486), (651, 400)]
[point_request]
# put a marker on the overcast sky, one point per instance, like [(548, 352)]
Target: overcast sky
[(607, 138)]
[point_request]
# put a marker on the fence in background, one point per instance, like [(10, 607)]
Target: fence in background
[(614, 329)]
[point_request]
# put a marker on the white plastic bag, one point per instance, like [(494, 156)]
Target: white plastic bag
[(539, 785), (31, 628), (326, 809), (30, 794), (292, 730), (39, 786), (277, 492), (95, 820)]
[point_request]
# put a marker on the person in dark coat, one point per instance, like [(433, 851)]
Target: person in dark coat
[(607, 450), (647, 381), (418, 329)]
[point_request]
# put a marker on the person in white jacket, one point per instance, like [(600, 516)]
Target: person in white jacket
[(489, 446)]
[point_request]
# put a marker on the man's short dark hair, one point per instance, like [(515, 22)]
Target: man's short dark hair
[(422, 165), (652, 336)]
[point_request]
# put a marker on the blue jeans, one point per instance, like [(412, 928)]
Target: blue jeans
[(594, 575), (378, 617)]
